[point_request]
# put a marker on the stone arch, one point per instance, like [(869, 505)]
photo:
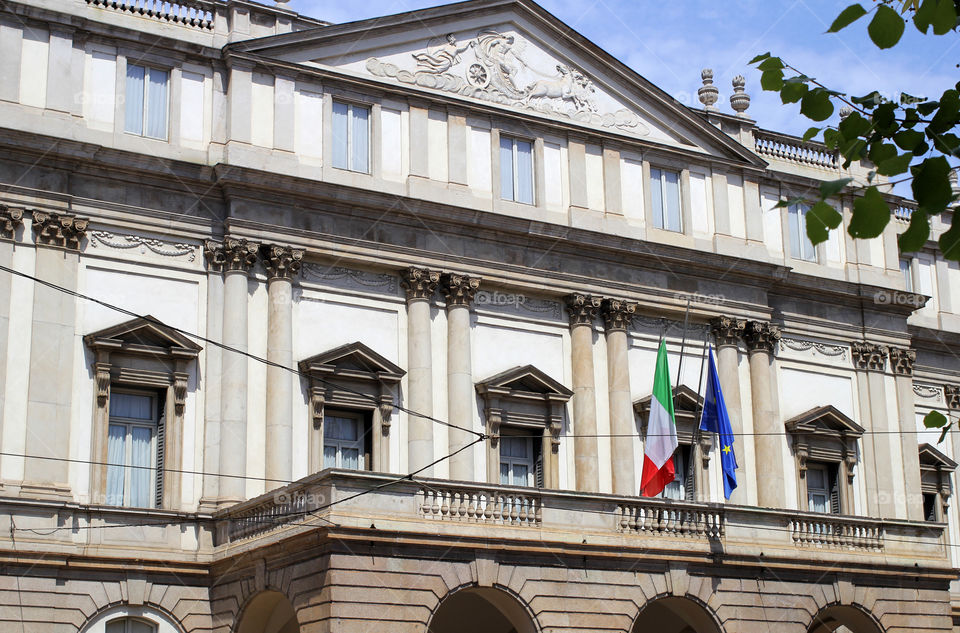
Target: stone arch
[(166, 622), (675, 614), (269, 611), (494, 609), (839, 618)]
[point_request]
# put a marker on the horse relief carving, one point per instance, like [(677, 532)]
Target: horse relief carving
[(492, 67)]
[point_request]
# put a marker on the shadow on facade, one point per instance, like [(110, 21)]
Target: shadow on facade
[(675, 615), (268, 612), (480, 610)]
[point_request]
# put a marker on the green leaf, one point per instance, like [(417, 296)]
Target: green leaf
[(759, 58), (884, 118), (833, 187), (916, 234), (908, 139), (947, 143), (943, 433), (789, 202), (853, 150), (847, 17), (934, 420), (886, 27), (944, 17), (868, 101), (830, 138), (771, 63), (821, 218), (854, 125), (792, 91), (927, 107), (810, 133), (950, 241), (870, 215), (931, 184), (924, 15), (816, 105), (894, 166), (880, 152), (772, 80)]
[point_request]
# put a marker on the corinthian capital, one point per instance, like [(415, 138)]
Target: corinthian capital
[(281, 262), (901, 361), (869, 356), (728, 330), (761, 336), (10, 219), (582, 308), (952, 396), (213, 254), (617, 313), (459, 289), (59, 229), (420, 283), (239, 254)]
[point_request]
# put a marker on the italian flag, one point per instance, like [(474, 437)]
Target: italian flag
[(661, 443)]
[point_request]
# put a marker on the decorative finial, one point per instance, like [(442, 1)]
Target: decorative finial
[(708, 93), (739, 100), (954, 187), (845, 111)]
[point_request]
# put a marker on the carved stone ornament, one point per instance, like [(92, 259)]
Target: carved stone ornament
[(951, 394), (617, 313), (761, 336), (179, 391), (59, 229), (458, 289), (727, 330), (708, 93), (582, 308), (215, 257), (281, 262), (163, 248), (868, 356), (240, 254), (10, 219), (420, 283), (902, 360), (739, 100), (493, 67)]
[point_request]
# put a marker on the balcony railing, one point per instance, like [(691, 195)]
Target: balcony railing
[(190, 13), (842, 532), (793, 149)]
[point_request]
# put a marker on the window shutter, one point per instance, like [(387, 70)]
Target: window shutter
[(834, 490), (161, 436), (367, 430), (537, 463), (688, 482)]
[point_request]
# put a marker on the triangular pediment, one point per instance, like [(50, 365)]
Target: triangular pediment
[(352, 357), (527, 379), (140, 333), (932, 459), (824, 420), (509, 54)]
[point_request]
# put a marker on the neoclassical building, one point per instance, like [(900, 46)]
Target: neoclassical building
[(351, 328)]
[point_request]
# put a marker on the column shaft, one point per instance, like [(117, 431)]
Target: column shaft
[(459, 291), (910, 447), (768, 432), (211, 392), (279, 382), (616, 319), (583, 309), (727, 332), (233, 403), (420, 285)]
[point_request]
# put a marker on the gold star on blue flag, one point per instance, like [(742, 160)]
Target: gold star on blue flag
[(715, 420)]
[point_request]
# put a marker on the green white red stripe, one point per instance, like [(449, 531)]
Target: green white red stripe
[(658, 470)]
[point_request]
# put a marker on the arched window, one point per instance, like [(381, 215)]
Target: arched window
[(130, 625)]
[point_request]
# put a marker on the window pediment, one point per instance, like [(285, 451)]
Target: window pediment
[(354, 360), (825, 421), (525, 382), (825, 434), (687, 406), (144, 336), (932, 459)]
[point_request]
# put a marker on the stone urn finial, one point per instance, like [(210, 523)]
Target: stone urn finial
[(708, 93), (845, 111), (739, 100)]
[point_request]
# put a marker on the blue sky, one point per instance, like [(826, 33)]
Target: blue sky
[(668, 42)]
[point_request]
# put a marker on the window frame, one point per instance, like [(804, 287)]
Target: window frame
[(515, 169), (687, 483), (907, 273), (351, 105), (662, 217), (127, 620), (803, 240), (144, 114), (156, 446), (532, 462), (362, 443)]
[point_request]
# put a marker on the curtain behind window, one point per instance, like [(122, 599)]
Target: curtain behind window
[(157, 103), (341, 113), (361, 139), (524, 172), (115, 455), (133, 120)]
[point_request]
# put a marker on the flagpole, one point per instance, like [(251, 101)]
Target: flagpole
[(683, 341), (697, 411)]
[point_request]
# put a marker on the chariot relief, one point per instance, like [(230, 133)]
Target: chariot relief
[(493, 67)]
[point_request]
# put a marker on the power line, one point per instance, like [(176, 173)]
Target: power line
[(198, 337)]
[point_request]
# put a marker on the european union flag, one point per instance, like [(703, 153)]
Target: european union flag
[(716, 420)]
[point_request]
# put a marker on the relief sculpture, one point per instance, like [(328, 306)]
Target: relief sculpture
[(492, 67)]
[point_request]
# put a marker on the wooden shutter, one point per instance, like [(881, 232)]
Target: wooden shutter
[(689, 482), (161, 436), (537, 463), (834, 484), (366, 427)]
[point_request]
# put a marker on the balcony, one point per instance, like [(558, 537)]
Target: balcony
[(349, 501)]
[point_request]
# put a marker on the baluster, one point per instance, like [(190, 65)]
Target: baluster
[(539, 517), (522, 511), (471, 510), (632, 523), (514, 513)]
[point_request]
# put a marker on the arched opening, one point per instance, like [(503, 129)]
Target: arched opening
[(268, 612), (675, 615), (481, 610), (839, 619)]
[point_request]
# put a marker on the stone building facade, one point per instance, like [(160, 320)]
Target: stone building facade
[(334, 328)]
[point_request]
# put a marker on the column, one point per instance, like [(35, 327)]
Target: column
[(282, 264), (52, 341), (761, 338), (459, 291), (728, 332), (239, 258), (617, 315), (901, 363), (583, 310), (420, 285), (870, 360), (10, 220), (214, 256)]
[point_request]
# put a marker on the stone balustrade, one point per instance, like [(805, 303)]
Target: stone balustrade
[(191, 13), (835, 531), (492, 507), (652, 517), (793, 149)]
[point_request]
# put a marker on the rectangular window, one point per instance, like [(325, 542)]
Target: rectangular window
[(132, 448), (343, 441), (907, 273), (681, 488), (930, 506), (516, 170), (823, 493), (351, 137), (146, 101), (800, 245), (518, 461), (665, 199)]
